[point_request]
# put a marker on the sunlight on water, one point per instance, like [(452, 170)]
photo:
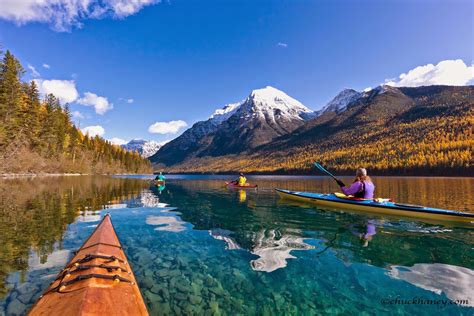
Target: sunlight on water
[(197, 247)]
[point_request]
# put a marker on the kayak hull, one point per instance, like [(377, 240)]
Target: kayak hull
[(97, 281), (331, 201), (231, 185)]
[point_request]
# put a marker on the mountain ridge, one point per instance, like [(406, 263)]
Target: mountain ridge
[(146, 148), (388, 129)]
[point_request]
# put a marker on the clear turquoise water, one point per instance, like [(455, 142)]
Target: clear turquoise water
[(199, 248)]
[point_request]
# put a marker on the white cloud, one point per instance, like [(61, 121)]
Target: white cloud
[(62, 15), (284, 45), (34, 72), (446, 72), (95, 130), (65, 90), (171, 127), (77, 115), (117, 141), (46, 66), (127, 100), (101, 104)]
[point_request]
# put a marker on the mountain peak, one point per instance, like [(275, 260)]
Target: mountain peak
[(340, 102), (267, 91), (270, 99)]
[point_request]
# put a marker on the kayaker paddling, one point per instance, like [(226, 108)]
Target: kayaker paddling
[(160, 177), (362, 187), (240, 181)]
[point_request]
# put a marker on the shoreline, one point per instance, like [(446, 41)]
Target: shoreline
[(270, 174), (33, 175), (43, 175)]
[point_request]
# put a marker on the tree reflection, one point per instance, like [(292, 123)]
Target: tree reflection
[(35, 212)]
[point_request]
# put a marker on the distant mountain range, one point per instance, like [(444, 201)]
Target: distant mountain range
[(387, 129), (146, 148)]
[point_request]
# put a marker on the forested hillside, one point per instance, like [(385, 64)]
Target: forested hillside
[(398, 131), (38, 136)]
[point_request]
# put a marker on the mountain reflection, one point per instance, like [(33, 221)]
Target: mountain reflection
[(274, 249), (149, 199), (456, 282), (167, 223), (351, 237), (224, 235), (35, 212)]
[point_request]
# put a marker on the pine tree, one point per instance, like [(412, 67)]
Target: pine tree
[(11, 94)]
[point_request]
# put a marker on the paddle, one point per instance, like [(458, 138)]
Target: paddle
[(321, 168)]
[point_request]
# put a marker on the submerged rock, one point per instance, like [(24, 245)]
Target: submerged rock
[(153, 297), (195, 299), (162, 273), (16, 308)]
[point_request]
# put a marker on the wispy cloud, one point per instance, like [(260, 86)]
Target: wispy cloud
[(171, 127), (446, 72), (63, 15), (117, 141), (127, 100), (283, 45), (77, 115), (46, 66), (94, 130), (65, 90), (100, 104), (34, 72)]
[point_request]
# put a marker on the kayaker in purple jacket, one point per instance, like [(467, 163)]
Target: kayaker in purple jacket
[(362, 187)]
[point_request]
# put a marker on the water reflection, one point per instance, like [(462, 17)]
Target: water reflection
[(233, 254), (149, 199), (274, 249), (34, 214), (58, 258), (367, 232), (456, 282), (166, 223), (224, 235), (351, 237)]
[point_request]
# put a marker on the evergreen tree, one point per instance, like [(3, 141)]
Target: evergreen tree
[(11, 96)]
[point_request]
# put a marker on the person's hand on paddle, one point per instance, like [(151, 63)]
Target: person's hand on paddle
[(340, 183)]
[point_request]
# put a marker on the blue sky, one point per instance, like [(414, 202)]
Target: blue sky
[(180, 60)]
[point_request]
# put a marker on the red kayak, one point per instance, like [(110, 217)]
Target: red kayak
[(232, 185)]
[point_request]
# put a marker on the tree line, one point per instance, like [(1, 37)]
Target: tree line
[(38, 135)]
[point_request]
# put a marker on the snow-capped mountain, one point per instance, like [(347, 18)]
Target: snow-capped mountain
[(350, 96), (146, 148), (265, 114), (273, 104), (341, 101), (221, 115)]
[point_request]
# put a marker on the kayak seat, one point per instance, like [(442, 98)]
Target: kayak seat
[(353, 198), (349, 197)]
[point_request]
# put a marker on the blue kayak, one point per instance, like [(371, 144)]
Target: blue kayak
[(382, 206)]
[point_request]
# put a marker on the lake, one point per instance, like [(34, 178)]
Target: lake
[(197, 247)]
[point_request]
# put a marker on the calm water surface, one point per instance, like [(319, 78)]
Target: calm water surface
[(199, 248)]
